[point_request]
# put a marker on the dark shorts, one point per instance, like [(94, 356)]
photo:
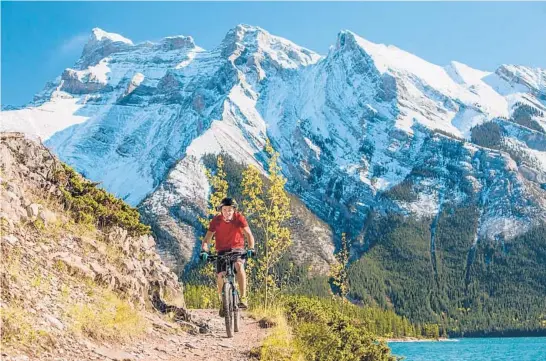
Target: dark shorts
[(221, 265)]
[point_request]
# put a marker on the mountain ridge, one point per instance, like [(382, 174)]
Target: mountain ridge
[(243, 35)]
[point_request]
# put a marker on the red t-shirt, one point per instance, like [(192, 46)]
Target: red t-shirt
[(228, 235)]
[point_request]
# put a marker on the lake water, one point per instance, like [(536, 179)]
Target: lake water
[(474, 349)]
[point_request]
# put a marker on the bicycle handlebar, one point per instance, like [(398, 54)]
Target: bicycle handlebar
[(230, 255)]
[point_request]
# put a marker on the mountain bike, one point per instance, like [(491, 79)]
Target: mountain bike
[(230, 295)]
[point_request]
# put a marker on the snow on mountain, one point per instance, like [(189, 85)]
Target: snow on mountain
[(438, 92), (520, 84), (98, 35), (60, 113), (353, 127)]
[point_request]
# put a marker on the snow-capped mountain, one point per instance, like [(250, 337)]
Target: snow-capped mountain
[(364, 128)]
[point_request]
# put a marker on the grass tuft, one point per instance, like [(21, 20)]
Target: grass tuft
[(107, 317)]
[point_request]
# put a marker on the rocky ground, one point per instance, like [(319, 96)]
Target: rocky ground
[(166, 341)]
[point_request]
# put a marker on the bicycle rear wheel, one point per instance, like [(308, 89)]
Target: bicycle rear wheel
[(226, 303)]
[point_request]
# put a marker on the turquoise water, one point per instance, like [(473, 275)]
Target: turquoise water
[(474, 349)]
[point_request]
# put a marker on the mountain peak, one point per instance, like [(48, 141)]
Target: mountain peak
[(245, 34), (99, 35), (100, 44), (249, 28), (178, 42), (532, 78), (248, 31), (257, 40), (389, 58), (380, 53), (346, 39)]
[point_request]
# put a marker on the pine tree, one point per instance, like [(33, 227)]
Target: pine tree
[(268, 209)]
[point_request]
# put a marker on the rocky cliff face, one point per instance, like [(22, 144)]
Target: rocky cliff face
[(61, 278), (365, 128)]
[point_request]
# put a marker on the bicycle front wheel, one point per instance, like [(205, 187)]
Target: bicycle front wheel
[(226, 303), (236, 312)]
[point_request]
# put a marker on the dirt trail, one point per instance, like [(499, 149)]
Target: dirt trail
[(214, 345), (164, 342)]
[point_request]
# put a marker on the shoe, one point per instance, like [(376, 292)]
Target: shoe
[(243, 303)]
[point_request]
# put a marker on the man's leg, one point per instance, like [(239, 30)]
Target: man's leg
[(241, 281), (220, 284)]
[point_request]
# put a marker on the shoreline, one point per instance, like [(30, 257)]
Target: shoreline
[(414, 339), (448, 339)]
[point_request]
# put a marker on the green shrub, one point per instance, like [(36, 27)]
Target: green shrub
[(92, 205), (280, 344), (324, 333)]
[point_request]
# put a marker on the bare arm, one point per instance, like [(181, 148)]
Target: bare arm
[(249, 236), (206, 241)]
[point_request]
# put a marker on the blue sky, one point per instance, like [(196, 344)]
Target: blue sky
[(40, 39)]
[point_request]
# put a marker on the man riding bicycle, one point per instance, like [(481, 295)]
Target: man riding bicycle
[(228, 228)]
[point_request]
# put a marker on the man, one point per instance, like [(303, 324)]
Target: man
[(228, 228)]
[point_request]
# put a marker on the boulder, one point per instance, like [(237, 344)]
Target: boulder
[(33, 210), (76, 266), (55, 322)]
